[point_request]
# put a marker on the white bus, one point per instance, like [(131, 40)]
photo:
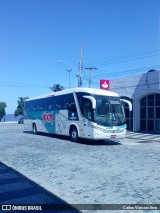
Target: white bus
[(79, 113)]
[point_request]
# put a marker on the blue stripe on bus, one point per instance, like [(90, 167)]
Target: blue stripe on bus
[(47, 118)]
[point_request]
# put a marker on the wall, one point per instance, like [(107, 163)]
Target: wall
[(136, 87)]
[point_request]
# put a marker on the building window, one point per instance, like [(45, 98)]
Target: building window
[(157, 99), (143, 112), (157, 126), (150, 113), (157, 112), (143, 125), (143, 102)]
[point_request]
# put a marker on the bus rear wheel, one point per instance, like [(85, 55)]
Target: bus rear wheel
[(34, 129), (74, 134)]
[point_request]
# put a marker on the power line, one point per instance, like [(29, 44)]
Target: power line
[(114, 60), (157, 90), (137, 86), (21, 85), (121, 87), (142, 69), (2, 84), (122, 58), (133, 59)]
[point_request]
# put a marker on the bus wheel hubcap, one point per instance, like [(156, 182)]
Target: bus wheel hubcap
[(74, 134)]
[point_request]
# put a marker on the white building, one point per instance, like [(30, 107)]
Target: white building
[(144, 92)]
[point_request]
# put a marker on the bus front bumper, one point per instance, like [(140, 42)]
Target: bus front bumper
[(108, 134)]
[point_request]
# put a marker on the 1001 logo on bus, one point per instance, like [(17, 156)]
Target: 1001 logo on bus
[(47, 117)]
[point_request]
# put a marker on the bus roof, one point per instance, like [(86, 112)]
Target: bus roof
[(79, 89)]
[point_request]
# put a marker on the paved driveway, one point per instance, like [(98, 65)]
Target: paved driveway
[(121, 172)]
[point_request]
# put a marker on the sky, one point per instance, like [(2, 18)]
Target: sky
[(118, 37)]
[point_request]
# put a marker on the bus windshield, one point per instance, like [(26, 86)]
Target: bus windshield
[(109, 111)]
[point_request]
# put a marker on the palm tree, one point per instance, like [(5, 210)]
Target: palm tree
[(57, 87)]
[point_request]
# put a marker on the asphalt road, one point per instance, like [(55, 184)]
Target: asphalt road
[(45, 169)]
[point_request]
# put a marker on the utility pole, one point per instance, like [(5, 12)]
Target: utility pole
[(80, 69), (90, 69), (69, 71)]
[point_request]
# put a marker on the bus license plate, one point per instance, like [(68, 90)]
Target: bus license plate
[(113, 136)]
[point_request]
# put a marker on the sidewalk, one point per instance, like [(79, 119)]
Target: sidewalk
[(143, 136)]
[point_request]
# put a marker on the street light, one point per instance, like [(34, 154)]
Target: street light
[(68, 65), (68, 70), (79, 69)]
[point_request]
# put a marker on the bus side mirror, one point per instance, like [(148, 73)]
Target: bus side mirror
[(92, 99), (129, 103)]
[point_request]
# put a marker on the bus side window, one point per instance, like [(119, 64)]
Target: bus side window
[(31, 106), (69, 103), (34, 105), (50, 104), (58, 103), (41, 105), (72, 107), (26, 106), (66, 106)]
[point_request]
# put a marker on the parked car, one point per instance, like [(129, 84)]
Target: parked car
[(21, 120)]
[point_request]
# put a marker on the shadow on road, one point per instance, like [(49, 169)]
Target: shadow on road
[(16, 189), (81, 141), (99, 142)]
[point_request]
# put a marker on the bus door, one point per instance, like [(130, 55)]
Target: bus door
[(88, 114)]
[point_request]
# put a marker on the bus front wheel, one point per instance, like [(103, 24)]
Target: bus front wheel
[(73, 134), (34, 128)]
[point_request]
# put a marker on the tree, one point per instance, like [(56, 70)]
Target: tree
[(57, 87), (2, 110), (19, 110)]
